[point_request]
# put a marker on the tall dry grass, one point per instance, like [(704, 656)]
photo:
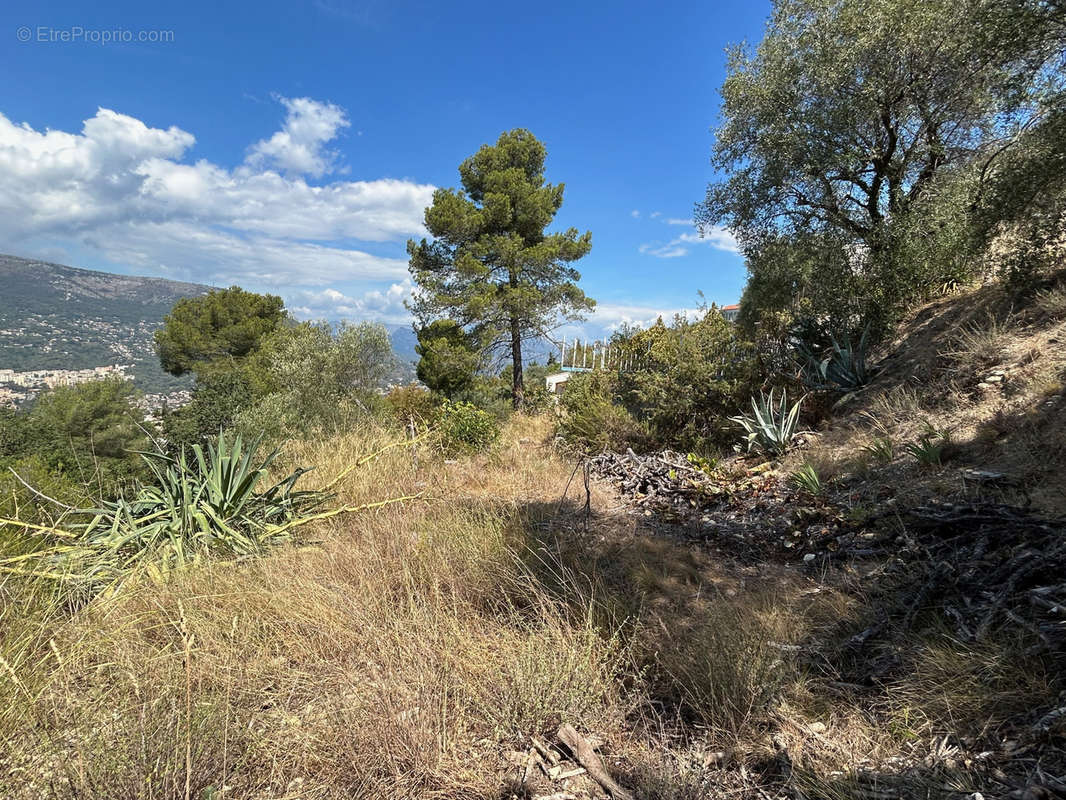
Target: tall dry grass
[(391, 655), (404, 651)]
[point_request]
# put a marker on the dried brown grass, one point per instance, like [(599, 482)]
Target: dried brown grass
[(402, 652), (378, 661)]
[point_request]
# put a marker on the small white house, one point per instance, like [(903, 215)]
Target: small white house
[(556, 382)]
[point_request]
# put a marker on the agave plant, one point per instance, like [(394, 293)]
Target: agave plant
[(844, 366), (807, 479), (772, 425), (191, 507)]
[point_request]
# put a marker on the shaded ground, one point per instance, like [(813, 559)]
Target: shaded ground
[(910, 660)]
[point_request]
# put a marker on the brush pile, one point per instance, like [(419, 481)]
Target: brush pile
[(983, 567), (656, 480)]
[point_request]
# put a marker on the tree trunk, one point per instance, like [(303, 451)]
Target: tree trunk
[(518, 389)]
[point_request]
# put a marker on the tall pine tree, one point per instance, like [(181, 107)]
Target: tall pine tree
[(490, 266)]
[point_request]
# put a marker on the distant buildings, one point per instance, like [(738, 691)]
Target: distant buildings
[(51, 378), (556, 382), (16, 387), (730, 312)]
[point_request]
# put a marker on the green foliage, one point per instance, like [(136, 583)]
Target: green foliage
[(314, 376), (190, 507), (85, 432), (448, 357), (862, 143), (537, 397), (217, 402), (807, 479), (14, 432), (702, 463), (681, 382), (844, 367), (691, 375), (201, 333), (930, 447), (772, 425), (465, 428), (593, 417), (881, 449), (491, 266), (412, 404), (1021, 214)]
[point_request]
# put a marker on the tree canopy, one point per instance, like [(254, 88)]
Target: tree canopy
[(223, 325), (88, 431), (851, 116), (448, 359), (491, 266), (847, 111)]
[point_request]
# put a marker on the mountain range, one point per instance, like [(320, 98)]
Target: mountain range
[(54, 316)]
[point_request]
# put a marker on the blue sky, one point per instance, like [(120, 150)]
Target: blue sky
[(291, 147)]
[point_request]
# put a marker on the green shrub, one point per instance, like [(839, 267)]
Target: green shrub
[(538, 399), (930, 448), (844, 366), (688, 377), (412, 404), (593, 419), (881, 450), (771, 426), (217, 402), (465, 428)]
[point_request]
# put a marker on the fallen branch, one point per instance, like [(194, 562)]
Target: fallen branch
[(587, 757)]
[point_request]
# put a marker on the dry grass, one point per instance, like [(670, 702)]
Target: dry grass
[(398, 653), (375, 663), (981, 343), (1052, 302), (403, 652)]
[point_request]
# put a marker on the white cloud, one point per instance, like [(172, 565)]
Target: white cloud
[(655, 214), (669, 250), (125, 191), (299, 147), (716, 237), (383, 305), (609, 317), (635, 214)]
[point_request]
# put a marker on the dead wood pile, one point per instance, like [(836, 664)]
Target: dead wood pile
[(982, 567), (659, 479)]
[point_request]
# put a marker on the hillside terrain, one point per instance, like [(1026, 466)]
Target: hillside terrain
[(705, 629), (58, 317), (64, 318)]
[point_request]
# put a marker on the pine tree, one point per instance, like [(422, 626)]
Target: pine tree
[(491, 267)]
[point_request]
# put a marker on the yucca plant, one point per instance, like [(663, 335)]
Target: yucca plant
[(772, 425), (881, 450), (193, 506), (808, 479), (929, 449)]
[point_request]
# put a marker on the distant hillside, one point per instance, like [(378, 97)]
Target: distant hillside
[(403, 340), (58, 317)]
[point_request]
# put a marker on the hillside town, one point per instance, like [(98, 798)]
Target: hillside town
[(17, 387)]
